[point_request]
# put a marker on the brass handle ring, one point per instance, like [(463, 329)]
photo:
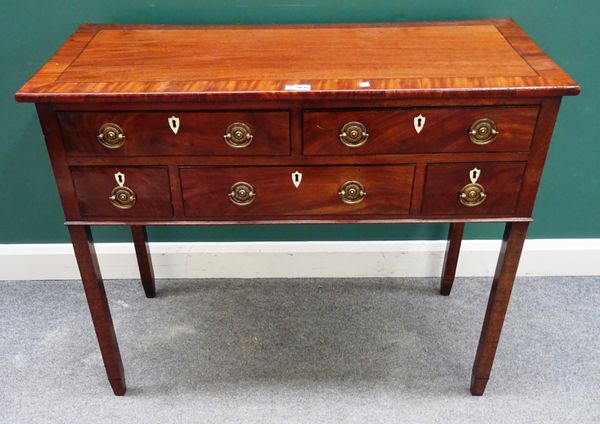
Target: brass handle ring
[(354, 134), (352, 192), (483, 131), (111, 135), (472, 195), (242, 193), (238, 135), (122, 197)]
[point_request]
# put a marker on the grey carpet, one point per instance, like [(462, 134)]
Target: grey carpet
[(301, 351)]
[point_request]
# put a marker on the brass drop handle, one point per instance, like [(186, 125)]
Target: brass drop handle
[(111, 135), (483, 131), (472, 195), (354, 134), (238, 135), (122, 197), (352, 192), (242, 193)]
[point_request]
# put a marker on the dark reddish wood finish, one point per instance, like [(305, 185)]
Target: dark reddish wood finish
[(93, 186), (212, 76), (444, 182), (444, 130), (205, 191), (200, 133), (142, 253), (58, 159), (85, 254), (455, 235), (506, 269), (462, 59), (537, 157)]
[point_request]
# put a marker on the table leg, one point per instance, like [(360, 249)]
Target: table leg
[(506, 269), (140, 242), (455, 235), (85, 254)]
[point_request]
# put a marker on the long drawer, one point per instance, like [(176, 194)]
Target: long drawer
[(243, 133), (248, 192), (418, 130)]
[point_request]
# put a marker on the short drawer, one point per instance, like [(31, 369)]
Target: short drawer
[(176, 133), (425, 130), (279, 191), (472, 188), (122, 191)]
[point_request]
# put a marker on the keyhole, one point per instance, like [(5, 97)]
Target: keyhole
[(419, 120), (296, 178), (120, 177), (173, 124), (474, 174)]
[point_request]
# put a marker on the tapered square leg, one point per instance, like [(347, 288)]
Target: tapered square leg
[(93, 286), (506, 269), (455, 236), (140, 242)]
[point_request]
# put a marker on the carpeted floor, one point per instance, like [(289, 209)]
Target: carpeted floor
[(301, 351)]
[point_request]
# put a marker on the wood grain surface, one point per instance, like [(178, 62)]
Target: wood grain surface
[(200, 133), (205, 191), (443, 184), (300, 53), (393, 130), (127, 63), (150, 184)]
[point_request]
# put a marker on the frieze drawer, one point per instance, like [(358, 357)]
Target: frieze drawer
[(472, 188), (276, 191), (176, 133), (418, 130), (122, 191)]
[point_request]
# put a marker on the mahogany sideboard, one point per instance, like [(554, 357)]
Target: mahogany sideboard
[(378, 123)]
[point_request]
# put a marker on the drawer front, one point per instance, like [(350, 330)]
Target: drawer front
[(207, 191), (177, 133), (96, 186), (500, 184), (392, 131)]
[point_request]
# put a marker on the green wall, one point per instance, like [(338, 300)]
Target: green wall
[(30, 31)]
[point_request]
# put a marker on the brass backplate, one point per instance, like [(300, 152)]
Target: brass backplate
[(472, 195), (483, 131), (352, 192), (111, 135), (242, 193), (354, 134), (122, 197), (238, 135)]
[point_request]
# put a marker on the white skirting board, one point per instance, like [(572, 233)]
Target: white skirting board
[(300, 259)]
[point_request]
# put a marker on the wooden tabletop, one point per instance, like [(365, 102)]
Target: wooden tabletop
[(433, 59)]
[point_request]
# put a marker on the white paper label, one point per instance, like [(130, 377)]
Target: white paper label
[(297, 87), (364, 84)]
